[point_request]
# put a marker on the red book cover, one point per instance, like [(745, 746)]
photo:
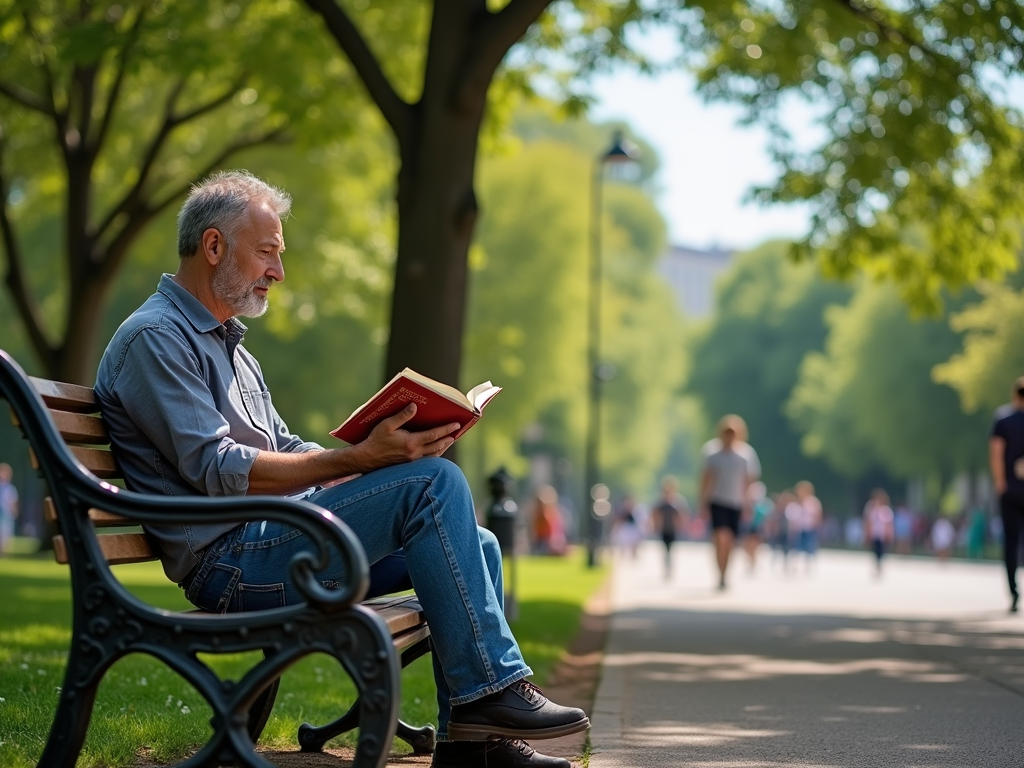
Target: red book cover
[(436, 405)]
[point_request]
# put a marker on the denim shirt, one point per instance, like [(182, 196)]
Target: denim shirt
[(188, 411)]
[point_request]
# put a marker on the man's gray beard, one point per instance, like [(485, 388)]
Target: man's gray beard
[(232, 289)]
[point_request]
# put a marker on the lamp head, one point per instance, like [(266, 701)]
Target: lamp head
[(621, 150)]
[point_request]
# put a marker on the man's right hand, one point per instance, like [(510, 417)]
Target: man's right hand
[(389, 444)]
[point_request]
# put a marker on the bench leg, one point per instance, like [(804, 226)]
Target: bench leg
[(74, 709), (422, 740), (70, 724), (312, 738), (260, 710)]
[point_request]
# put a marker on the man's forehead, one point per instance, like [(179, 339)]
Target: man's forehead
[(266, 224)]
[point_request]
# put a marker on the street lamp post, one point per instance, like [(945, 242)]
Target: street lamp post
[(596, 504)]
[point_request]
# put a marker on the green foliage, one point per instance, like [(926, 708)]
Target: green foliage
[(910, 99), (111, 110), (146, 711), (769, 314), (527, 324), (870, 396), (992, 356)]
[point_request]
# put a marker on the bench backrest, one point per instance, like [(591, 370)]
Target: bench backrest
[(75, 412)]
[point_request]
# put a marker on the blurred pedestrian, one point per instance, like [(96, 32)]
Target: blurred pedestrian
[(761, 506), (878, 525), (1006, 462), (548, 524), (725, 487), (810, 523), (669, 518), (943, 538), (627, 527), (778, 527), (903, 528), (8, 507)]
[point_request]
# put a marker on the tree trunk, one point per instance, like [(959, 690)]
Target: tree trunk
[(76, 360), (437, 212), (437, 206)]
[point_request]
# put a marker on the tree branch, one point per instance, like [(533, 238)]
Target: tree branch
[(17, 284), (131, 198), (396, 111), (58, 117), (276, 136), (211, 105), (141, 212), (115, 88), (500, 31), (895, 35), (26, 98)]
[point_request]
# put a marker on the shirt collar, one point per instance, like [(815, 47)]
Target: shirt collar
[(199, 316)]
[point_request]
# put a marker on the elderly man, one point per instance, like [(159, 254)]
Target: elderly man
[(189, 413)]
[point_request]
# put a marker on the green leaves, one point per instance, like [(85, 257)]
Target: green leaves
[(916, 131)]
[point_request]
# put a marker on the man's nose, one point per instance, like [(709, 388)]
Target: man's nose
[(275, 270)]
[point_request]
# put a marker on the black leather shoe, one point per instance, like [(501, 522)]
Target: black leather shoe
[(495, 753), (521, 710), (1013, 604)]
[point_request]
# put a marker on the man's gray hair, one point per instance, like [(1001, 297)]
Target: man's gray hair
[(220, 202)]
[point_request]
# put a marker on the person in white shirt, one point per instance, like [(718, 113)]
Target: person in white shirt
[(730, 466)]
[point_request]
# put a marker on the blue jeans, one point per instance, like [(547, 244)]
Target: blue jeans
[(420, 513)]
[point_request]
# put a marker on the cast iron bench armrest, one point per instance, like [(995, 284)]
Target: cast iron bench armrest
[(62, 469), (322, 529)]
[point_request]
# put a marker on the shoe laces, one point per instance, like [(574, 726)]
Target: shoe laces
[(529, 691), (518, 745)]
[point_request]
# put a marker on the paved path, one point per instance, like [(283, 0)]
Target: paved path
[(922, 667)]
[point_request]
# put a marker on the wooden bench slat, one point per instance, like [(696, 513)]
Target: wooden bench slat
[(117, 548), (400, 619), (81, 427), (76, 427), (407, 639), (64, 396), (100, 518), (100, 463)]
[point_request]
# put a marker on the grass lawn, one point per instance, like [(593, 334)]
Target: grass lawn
[(144, 706)]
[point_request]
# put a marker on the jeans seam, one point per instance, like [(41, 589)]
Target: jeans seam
[(460, 583), (207, 560), (268, 543), (378, 489)]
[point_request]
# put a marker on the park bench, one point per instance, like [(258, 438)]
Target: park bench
[(98, 523)]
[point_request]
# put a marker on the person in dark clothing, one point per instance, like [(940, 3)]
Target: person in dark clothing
[(668, 518), (1006, 462)]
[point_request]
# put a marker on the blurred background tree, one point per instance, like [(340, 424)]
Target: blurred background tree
[(769, 315), (110, 112), (111, 109)]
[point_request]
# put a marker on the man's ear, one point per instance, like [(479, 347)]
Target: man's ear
[(213, 246)]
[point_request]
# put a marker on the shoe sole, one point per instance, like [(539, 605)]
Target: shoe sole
[(470, 732)]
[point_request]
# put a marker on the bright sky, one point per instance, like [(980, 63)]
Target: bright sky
[(708, 161)]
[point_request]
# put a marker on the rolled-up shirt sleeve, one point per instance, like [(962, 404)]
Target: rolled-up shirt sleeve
[(161, 387)]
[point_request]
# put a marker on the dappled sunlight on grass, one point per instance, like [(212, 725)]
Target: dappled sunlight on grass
[(29, 635), (144, 707)]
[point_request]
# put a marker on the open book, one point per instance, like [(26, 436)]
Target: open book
[(437, 404)]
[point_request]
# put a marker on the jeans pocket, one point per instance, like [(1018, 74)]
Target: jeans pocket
[(217, 589), (260, 597)]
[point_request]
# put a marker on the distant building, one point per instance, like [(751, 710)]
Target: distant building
[(692, 274)]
